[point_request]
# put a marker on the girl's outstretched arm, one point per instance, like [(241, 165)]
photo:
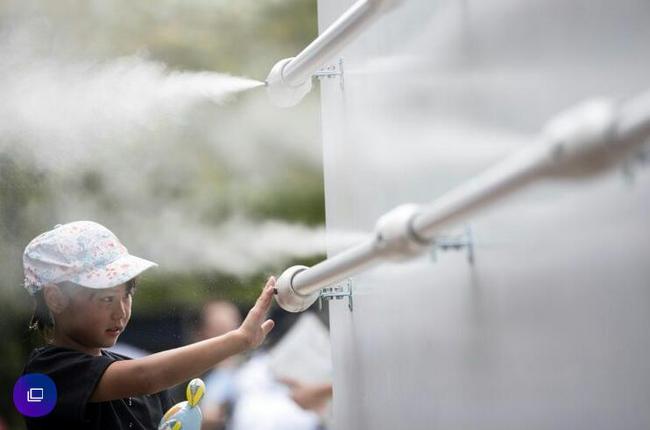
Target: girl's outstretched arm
[(165, 369)]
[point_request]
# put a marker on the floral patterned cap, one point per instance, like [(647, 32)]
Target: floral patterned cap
[(82, 252)]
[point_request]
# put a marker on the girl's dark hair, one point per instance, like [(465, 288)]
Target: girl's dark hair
[(42, 321)]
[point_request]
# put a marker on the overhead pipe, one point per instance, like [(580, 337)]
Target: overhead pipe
[(582, 142), (290, 79)]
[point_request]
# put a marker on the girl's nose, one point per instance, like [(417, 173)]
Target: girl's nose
[(120, 309)]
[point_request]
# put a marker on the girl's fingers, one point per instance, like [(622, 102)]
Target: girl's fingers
[(267, 326), (266, 297)]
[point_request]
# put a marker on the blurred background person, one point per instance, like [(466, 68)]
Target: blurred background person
[(216, 318), (245, 393)]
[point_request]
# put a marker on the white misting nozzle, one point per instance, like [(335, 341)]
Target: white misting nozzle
[(281, 92), (287, 297)]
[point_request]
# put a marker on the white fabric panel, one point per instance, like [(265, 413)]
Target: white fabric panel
[(548, 329)]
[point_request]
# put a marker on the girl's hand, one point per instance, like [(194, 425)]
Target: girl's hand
[(162, 370), (254, 329)]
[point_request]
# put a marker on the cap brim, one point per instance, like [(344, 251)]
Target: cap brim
[(118, 272)]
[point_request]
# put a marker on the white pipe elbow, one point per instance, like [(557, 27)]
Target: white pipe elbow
[(281, 92), (287, 297)]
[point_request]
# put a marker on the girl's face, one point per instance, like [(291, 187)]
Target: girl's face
[(94, 319)]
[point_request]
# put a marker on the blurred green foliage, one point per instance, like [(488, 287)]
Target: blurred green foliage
[(243, 37), (296, 195)]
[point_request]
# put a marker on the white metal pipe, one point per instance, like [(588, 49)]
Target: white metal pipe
[(582, 142), (503, 179), (345, 263), (297, 295), (634, 124), (290, 79), (331, 41)]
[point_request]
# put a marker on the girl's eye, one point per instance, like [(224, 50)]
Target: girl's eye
[(107, 299)]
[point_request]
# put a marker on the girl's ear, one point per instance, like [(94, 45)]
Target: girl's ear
[(55, 299)]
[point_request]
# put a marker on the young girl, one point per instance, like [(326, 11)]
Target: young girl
[(82, 279)]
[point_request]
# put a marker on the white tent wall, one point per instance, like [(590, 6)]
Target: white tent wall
[(548, 328)]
